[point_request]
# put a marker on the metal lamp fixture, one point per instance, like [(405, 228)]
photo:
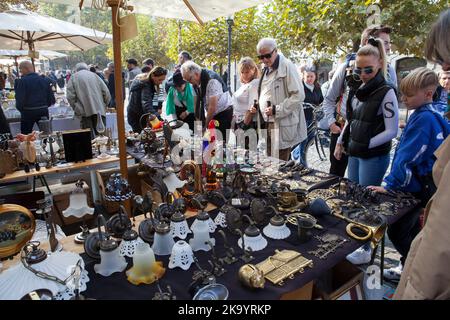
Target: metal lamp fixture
[(78, 207)]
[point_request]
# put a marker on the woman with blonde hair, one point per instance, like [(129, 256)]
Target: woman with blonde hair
[(142, 91), (372, 122), (244, 98)]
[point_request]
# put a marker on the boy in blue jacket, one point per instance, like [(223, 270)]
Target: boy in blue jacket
[(413, 160)]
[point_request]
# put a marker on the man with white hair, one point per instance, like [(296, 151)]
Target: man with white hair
[(33, 96), (88, 95), (213, 101), (280, 100)]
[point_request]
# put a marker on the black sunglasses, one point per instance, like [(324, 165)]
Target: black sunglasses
[(366, 70), (266, 56)]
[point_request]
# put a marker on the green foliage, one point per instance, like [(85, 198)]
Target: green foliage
[(335, 26), (208, 44), (150, 42)]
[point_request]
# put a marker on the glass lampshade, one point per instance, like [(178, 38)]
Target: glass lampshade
[(201, 237), (163, 240), (111, 262), (78, 206), (277, 228), (221, 220), (117, 188), (179, 226), (145, 269), (182, 256)]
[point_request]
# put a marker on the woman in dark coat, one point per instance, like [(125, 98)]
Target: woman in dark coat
[(143, 89)]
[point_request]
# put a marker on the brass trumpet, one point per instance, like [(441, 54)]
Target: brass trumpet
[(375, 233)]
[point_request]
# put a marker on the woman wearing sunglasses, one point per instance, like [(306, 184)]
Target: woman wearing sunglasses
[(143, 89), (372, 122)]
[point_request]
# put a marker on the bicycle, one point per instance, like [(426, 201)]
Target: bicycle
[(317, 137)]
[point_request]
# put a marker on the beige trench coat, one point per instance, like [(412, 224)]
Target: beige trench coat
[(426, 274)]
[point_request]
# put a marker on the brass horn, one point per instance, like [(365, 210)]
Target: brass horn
[(375, 233)]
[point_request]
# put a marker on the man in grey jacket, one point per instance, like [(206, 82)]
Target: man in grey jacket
[(280, 101), (88, 95), (335, 101)]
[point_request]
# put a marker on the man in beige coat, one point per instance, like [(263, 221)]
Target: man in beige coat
[(282, 87), (426, 274), (88, 95)]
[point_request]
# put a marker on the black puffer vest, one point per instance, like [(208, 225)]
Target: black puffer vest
[(364, 121)]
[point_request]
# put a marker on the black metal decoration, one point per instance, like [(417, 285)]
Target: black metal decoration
[(119, 223), (247, 255), (216, 264), (93, 241), (229, 257), (201, 278), (163, 295), (232, 217)]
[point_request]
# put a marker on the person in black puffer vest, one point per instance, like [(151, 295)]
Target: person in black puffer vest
[(372, 122)]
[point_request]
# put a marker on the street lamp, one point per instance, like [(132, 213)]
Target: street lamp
[(230, 23)]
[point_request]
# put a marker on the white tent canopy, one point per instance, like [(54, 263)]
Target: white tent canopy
[(206, 10), (46, 54), (18, 28)]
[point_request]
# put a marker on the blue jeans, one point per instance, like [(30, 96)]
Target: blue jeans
[(368, 172)]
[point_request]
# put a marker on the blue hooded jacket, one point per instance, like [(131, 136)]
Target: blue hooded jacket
[(425, 131)]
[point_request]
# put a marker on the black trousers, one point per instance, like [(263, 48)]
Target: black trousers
[(403, 232), (337, 166), (224, 118), (30, 117)]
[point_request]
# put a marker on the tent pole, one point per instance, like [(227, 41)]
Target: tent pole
[(30, 47), (114, 4)]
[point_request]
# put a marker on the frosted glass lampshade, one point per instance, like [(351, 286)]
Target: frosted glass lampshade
[(111, 261), (179, 226), (163, 240), (145, 269), (277, 228), (78, 206), (182, 256), (220, 220), (254, 243), (203, 217), (201, 237), (253, 239)]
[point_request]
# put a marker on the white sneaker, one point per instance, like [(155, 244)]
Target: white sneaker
[(393, 273), (360, 256)]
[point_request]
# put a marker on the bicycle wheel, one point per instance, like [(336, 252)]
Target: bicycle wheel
[(317, 156)]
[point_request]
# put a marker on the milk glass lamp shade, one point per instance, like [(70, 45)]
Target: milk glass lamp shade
[(277, 228), (253, 239), (78, 206), (163, 240), (221, 220), (110, 259), (145, 269), (179, 226), (117, 188), (182, 256), (17, 281), (110, 262), (203, 217), (201, 238), (130, 241)]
